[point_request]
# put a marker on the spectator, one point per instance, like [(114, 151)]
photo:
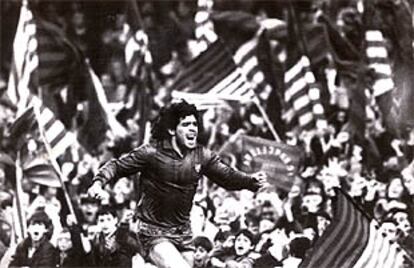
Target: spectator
[(69, 244), (203, 246), (244, 244), (114, 246), (36, 250)]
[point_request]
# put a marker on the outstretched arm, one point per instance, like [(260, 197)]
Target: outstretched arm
[(128, 164), (229, 178)]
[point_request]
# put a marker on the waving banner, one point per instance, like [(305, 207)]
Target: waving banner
[(280, 161)]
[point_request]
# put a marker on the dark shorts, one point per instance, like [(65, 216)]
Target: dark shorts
[(151, 235)]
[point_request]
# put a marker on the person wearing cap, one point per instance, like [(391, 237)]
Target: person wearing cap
[(36, 250), (171, 167)]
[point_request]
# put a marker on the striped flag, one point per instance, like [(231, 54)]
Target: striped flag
[(352, 240), (44, 61), (378, 60), (204, 27), (43, 57), (215, 74), (303, 97), (246, 59), (54, 131), (25, 63), (25, 60)]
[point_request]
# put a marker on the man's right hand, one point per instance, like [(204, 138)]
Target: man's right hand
[(96, 190)]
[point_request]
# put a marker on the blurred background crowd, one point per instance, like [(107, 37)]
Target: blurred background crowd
[(372, 162)]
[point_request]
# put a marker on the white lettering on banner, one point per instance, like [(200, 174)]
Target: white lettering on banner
[(269, 151)]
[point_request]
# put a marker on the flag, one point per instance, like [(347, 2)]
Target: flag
[(25, 60), (303, 107), (55, 132), (281, 162), (352, 240), (36, 166), (303, 97), (215, 74), (246, 59), (204, 27), (378, 60), (99, 119)]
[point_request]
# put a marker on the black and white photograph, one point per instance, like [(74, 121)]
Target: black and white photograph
[(207, 133)]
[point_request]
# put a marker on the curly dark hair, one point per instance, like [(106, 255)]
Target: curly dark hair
[(169, 117)]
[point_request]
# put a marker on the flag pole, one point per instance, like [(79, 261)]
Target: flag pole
[(21, 217), (55, 165), (266, 119), (139, 21)]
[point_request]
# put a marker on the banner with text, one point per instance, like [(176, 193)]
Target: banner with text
[(280, 161)]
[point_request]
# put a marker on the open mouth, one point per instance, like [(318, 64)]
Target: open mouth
[(191, 138)]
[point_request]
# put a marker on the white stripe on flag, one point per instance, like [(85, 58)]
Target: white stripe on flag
[(64, 143), (382, 68), (297, 86), (233, 87), (309, 77), (376, 52), (245, 49), (317, 109), (374, 35), (301, 102), (305, 118), (293, 71), (382, 86)]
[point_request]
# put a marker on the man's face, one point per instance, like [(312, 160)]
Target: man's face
[(311, 202), (92, 231), (242, 245), (395, 189), (89, 211), (50, 193), (64, 241), (107, 223), (36, 231), (186, 132), (200, 256)]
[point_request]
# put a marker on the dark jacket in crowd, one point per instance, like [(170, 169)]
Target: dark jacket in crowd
[(46, 255), (126, 246), (76, 256)]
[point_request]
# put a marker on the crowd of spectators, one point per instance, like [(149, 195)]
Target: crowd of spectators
[(272, 228)]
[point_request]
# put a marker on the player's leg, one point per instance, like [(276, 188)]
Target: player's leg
[(165, 255), (189, 257)]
